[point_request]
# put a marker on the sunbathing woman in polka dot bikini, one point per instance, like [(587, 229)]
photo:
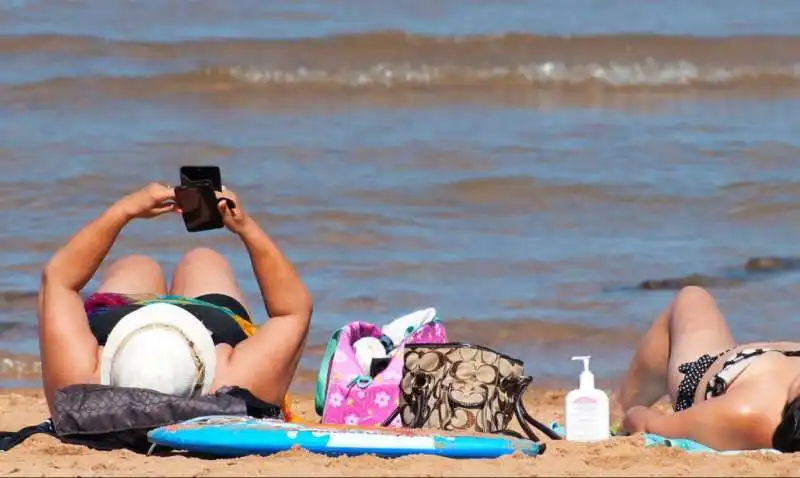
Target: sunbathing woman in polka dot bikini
[(726, 396)]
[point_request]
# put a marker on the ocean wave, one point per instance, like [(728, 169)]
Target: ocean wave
[(19, 366), (381, 61), (245, 84), (520, 195), (648, 73), (396, 45)]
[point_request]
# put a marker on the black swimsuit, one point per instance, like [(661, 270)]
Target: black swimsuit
[(224, 330)]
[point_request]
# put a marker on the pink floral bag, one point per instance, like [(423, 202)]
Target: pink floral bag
[(347, 394)]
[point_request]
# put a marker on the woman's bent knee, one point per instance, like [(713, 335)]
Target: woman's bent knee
[(695, 308), (692, 299), (199, 256), (205, 271), (138, 264), (693, 293), (134, 274)]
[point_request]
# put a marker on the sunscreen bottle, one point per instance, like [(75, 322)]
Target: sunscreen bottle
[(587, 411)]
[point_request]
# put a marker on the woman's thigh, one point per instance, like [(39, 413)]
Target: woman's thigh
[(203, 271), (696, 327)]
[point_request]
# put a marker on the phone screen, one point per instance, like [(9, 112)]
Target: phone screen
[(198, 204), (194, 174)]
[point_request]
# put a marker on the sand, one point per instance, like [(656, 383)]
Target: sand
[(45, 456)]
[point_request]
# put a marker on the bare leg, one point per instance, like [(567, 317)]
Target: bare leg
[(646, 379), (264, 363), (692, 325), (134, 274), (697, 327), (205, 271)]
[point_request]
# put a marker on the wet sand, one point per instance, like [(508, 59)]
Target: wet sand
[(45, 456)]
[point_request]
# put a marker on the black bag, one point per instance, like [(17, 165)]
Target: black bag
[(108, 418)]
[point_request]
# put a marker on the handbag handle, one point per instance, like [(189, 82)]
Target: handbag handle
[(525, 419), (391, 418), (419, 419)]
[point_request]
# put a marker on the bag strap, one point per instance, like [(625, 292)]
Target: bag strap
[(391, 417), (255, 407), (324, 371), (525, 419), (9, 440), (419, 413)]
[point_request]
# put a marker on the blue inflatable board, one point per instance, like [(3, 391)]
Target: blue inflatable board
[(238, 436)]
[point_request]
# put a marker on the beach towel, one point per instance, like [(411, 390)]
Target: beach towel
[(685, 444)]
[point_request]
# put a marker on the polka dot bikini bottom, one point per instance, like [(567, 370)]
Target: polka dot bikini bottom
[(692, 374)]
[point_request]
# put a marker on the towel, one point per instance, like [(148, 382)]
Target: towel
[(689, 446), (402, 327)]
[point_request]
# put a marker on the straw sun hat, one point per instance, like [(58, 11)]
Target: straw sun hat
[(160, 347)]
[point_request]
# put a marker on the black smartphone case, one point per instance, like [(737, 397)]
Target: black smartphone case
[(202, 215), (186, 178)]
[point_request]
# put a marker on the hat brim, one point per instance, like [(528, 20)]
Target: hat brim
[(165, 314)]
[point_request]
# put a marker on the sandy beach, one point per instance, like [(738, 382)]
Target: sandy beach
[(45, 456)]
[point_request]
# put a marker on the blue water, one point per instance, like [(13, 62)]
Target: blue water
[(507, 203), (150, 21)]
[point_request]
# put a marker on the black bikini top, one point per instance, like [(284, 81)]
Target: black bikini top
[(734, 366)]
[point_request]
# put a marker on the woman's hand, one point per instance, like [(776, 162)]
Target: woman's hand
[(233, 215), (152, 200), (636, 419)]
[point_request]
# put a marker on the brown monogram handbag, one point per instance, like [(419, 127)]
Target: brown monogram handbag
[(464, 387)]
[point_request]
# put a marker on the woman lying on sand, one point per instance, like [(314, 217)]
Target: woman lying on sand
[(197, 339), (725, 396)]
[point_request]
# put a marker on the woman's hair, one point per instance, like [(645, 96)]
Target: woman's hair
[(787, 434)]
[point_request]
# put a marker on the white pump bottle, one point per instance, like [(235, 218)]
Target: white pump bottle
[(587, 410)]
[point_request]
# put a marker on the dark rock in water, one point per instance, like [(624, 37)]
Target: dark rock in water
[(731, 277), (769, 264), (677, 283)]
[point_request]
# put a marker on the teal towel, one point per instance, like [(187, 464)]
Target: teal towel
[(684, 444), (690, 446), (694, 447)]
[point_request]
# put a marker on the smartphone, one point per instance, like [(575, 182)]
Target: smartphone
[(193, 174), (198, 204)]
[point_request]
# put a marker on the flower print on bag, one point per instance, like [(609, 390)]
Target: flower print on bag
[(336, 399), (382, 399), (351, 420)]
